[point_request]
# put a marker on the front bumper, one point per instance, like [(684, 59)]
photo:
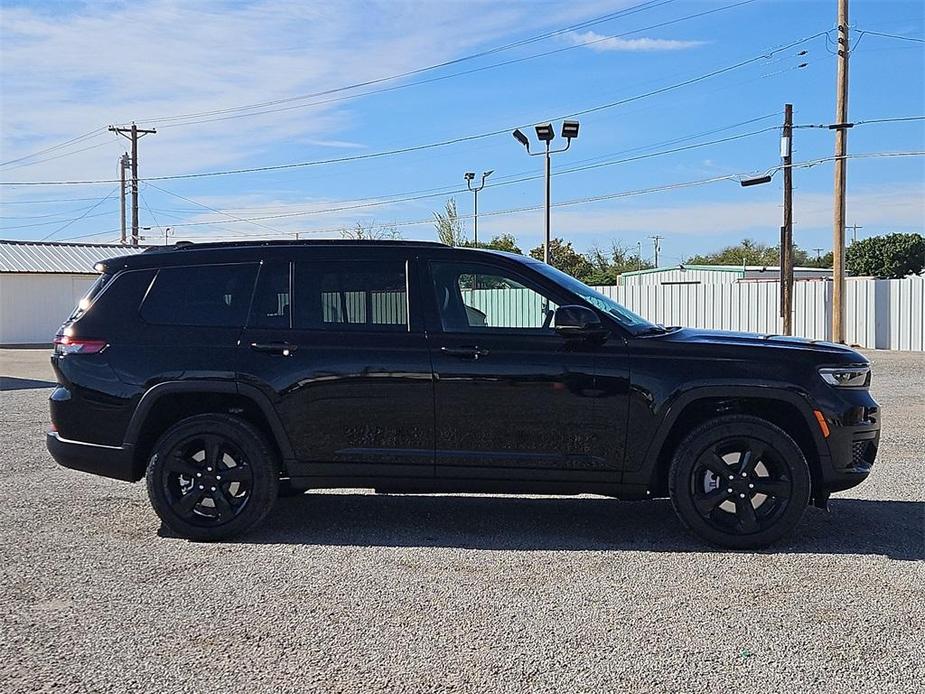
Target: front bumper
[(853, 443), (107, 461)]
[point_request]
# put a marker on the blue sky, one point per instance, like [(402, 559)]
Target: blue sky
[(70, 68)]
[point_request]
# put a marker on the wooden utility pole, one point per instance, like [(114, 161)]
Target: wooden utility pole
[(786, 248), (840, 126), (123, 165), (133, 134)]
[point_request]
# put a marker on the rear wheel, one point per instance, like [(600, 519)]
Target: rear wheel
[(211, 477), (739, 481)]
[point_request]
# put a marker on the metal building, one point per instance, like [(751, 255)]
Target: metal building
[(41, 283), (715, 274)]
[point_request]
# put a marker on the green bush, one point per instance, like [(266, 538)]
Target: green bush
[(889, 256)]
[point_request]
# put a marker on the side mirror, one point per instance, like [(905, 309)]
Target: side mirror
[(578, 321)]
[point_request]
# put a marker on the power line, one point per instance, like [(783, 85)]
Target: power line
[(77, 219), (861, 32), (74, 140), (440, 78), (587, 199), (65, 214), (222, 228), (212, 209), (59, 156), (450, 189), (376, 202), (897, 119), (54, 221), (521, 176), (651, 4), (444, 143), (4, 203)]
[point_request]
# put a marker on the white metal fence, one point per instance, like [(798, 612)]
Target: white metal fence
[(880, 314)]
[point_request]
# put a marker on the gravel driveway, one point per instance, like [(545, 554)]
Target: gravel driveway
[(350, 591)]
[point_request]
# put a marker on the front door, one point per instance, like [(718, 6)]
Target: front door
[(514, 400), (337, 346)]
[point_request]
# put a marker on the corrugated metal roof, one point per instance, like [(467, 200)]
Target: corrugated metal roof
[(70, 258)]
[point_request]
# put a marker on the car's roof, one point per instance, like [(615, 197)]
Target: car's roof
[(187, 253)]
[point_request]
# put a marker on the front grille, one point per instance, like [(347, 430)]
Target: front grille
[(862, 453)]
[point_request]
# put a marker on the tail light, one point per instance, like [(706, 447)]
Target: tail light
[(65, 344)]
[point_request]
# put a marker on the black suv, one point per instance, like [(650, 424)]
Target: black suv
[(227, 374)]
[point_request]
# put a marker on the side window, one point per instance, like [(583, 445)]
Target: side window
[(271, 305), (205, 295), (351, 295), (478, 298)]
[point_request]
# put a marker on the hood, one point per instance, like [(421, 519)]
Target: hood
[(841, 353)]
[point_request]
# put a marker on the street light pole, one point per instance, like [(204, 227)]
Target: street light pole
[(548, 236), (546, 134), (470, 176)]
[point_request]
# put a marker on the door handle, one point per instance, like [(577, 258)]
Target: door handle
[(283, 349), (464, 352)]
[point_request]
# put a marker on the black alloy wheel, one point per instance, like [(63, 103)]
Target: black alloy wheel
[(207, 479), (211, 477), (739, 481)]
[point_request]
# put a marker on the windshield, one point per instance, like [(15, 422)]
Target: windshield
[(625, 317)]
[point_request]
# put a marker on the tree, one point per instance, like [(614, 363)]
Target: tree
[(753, 253), (823, 261), (502, 242), (889, 256), (563, 257), (606, 268), (449, 227), (747, 252), (371, 232)]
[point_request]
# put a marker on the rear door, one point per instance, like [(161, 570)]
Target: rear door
[(338, 346)]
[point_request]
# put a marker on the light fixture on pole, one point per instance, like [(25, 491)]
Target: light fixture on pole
[(546, 134), (470, 176), (756, 181)]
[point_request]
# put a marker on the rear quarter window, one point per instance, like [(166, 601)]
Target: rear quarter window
[(95, 290), (204, 295)]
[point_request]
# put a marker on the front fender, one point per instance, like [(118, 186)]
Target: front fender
[(671, 410)]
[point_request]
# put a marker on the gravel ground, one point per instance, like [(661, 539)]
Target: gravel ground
[(352, 591)]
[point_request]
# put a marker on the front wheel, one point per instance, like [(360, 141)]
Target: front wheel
[(739, 481), (211, 477)]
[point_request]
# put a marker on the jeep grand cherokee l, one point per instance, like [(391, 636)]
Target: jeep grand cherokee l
[(227, 373)]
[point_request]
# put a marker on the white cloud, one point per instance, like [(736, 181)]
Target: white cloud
[(600, 42), (88, 65)]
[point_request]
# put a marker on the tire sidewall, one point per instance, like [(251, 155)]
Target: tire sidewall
[(732, 426), (255, 449)]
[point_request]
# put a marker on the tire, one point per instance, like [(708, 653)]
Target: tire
[(185, 486), (740, 482)]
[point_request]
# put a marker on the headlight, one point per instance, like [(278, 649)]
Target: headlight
[(846, 376)]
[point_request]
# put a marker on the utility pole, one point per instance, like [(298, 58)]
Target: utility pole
[(818, 253), (133, 134), (656, 244), (854, 232), (840, 126), (786, 248), (123, 165)]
